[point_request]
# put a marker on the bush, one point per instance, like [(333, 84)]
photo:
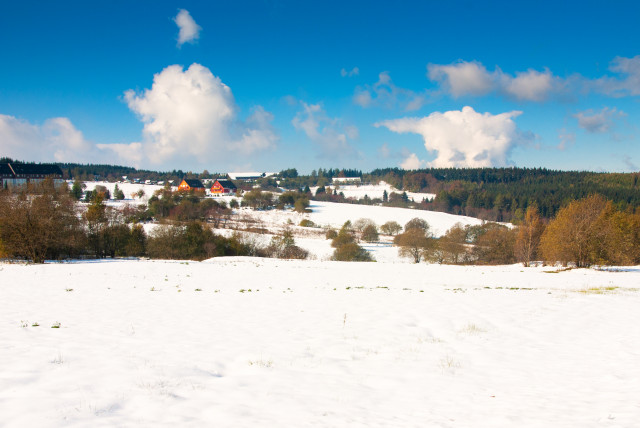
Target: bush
[(331, 234), (496, 246), (194, 242), (257, 199), (307, 223), (351, 252)]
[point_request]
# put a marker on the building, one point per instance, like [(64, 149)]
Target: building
[(189, 184), (223, 187), (346, 180), (21, 174), (249, 176)]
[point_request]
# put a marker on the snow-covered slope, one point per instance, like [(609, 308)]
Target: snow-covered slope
[(238, 342), (375, 191), (335, 214)]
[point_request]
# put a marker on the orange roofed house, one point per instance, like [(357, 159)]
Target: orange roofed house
[(188, 185), (223, 187)]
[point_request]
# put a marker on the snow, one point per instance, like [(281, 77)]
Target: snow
[(128, 189), (317, 343), (335, 214), (358, 191)]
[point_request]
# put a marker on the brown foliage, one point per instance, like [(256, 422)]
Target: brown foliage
[(39, 225), (413, 243), (495, 246), (579, 233), (528, 238)]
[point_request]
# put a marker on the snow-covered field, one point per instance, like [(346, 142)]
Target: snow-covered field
[(241, 342)]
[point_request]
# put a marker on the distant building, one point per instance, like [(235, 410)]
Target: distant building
[(346, 180), (189, 184), (223, 187), (249, 176), (20, 174)]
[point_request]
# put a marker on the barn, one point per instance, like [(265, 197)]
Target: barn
[(21, 174), (223, 187)]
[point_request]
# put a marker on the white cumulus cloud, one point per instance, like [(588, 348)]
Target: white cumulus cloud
[(462, 138), (191, 115), (189, 30), (473, 79), (530, 85), (462, 78), (412, 162)]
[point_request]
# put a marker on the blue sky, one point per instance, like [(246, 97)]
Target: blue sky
[(268, 85)]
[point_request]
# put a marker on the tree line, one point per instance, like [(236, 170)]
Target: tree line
[(504, 194), (586, 232)]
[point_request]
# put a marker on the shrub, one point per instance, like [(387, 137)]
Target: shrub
[(301, 205), (307, 223), (331, 234), (495, 246), (351, 252)]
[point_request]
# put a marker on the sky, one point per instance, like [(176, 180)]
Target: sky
[(268, 85)]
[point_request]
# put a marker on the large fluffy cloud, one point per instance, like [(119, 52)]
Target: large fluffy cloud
[(191, 115), (189, 30), (332, 139), (463, 138)]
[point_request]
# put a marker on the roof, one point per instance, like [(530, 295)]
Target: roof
[(194, 183), (227, 184), (245, 175), (29, 169), (5, 171)]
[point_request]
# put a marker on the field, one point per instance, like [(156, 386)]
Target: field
[(245, 342), (254, 342)]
